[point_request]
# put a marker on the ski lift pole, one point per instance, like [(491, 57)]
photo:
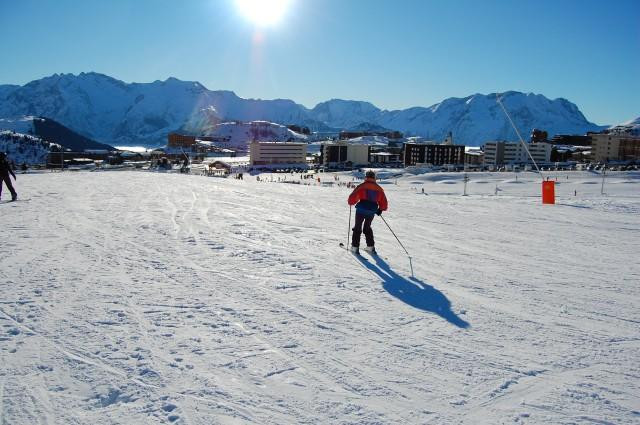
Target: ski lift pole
[(524, 145), (466, 180), (187, 157), (548, 188), (405, 249)]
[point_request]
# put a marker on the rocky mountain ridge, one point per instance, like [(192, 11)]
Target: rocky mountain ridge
[(118, 113)]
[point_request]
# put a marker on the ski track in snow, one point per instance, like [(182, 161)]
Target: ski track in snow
[(133, 297)]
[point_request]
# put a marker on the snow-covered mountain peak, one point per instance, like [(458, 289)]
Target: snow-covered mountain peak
[(631, 127), (345, 113), (342, 105), (109, 110)]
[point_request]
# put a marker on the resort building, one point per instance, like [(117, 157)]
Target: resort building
[(614, 147), (501, 153), (474, 157), (268, 153), (176, 140), (433, 154), (343, 154)]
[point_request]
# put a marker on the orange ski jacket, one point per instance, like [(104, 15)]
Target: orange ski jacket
[(368, 196)]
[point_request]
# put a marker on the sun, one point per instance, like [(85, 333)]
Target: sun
[(263, 13)]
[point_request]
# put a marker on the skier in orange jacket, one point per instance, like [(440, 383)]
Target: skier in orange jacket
[(369, 199)]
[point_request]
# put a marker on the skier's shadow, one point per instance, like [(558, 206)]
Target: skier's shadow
[(414, 292)]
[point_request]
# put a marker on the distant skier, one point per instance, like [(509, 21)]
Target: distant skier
[(5, 170), (369, 199)]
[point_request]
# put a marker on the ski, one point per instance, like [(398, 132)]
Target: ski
[(359, 253)]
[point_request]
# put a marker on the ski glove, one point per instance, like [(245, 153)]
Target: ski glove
[(379, 212)]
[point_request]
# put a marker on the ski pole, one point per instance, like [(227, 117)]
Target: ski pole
[(349, 228), (405, 249), (385, 222)]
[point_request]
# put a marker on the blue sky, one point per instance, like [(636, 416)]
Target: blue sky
[(394, 54)]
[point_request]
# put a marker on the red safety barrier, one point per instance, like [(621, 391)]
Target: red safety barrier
[(548, 192)]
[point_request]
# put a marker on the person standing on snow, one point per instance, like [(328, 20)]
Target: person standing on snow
[(369, 199), (5, 170)]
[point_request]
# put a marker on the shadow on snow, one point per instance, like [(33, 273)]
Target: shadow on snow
[(414, 292)]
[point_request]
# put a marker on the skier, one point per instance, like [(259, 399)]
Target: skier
[(5, 170), (370, 200)]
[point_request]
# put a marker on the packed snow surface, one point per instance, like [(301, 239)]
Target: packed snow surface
[(139, 297)]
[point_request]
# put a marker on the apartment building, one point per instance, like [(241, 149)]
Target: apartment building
[(434, 154), (615, 147), (176, 140), (498, 153), (268, 153), (344, 154)]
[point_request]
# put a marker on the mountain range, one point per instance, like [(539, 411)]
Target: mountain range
[(111, 111)]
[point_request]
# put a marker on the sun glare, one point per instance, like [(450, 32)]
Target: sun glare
[(263, 13)]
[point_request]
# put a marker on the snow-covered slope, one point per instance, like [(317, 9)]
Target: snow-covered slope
[(51, 131), (370, 140), (476, 119), (147, 298), (369, 127), (19, 125), (25, 148), (631, 127), (117, 113), (345, 114), (241, 134)]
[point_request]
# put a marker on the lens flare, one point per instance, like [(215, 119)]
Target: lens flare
[(263, 13)]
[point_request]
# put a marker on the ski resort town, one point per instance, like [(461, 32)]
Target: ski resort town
[(612, 148)]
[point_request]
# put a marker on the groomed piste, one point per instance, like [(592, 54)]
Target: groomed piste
[(139, 297)]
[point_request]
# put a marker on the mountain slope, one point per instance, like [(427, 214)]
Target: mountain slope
[(345, 113), (25, 148), (111, 111), (52, 131), (631, 127), (478, 118), (240, 134)]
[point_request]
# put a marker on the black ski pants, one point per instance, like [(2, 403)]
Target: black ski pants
[(7, 180), (363, 225)]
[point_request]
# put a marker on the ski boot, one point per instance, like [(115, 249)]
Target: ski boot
[(371, 250)]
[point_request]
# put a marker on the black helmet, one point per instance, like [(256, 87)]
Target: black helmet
[(371, 174), (3, 155)]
